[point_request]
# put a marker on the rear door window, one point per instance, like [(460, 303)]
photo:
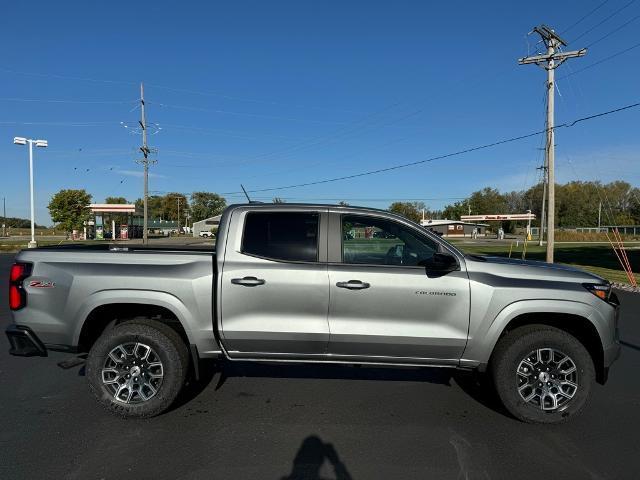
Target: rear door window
[(285, 236)]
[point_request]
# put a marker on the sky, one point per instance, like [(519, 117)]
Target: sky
[(280, 93)]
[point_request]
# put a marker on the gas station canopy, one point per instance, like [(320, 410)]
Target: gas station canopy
[(114, 208), (498, 218)]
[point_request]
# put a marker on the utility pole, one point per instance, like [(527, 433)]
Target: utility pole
[(145, 162), (4, 216), (543, 213), (178, 215), (599, 215), (550, 61)]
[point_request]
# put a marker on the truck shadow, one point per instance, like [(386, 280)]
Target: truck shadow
[(629, 345), (475, 385)]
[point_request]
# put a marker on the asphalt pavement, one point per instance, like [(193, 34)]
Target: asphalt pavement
[(317, 422)]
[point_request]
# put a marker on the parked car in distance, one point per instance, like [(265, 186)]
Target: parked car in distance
[(296, 289), (206, 234)]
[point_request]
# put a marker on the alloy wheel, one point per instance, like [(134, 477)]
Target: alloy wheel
[(547, 379), (132, 373)]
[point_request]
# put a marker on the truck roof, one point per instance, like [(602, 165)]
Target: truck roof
[(313, 205)]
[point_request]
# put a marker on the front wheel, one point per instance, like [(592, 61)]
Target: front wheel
[(137, 368), (542, 374)]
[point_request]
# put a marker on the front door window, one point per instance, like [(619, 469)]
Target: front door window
[(375, 241)]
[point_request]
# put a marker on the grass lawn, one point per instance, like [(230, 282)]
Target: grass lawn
[(598, 259)]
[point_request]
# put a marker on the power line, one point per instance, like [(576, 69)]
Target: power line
[(182, 90), (440, 157), (64, 124), (610, 57), (245, 99), (603, 21), (613, 31), (65, 77), (243, 114), (43, 100), (584, 17), (361, 126), (225, 132)]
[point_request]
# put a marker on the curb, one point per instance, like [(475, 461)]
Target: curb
[(625, 287)]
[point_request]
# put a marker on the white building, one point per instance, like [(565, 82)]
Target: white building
[(206, 225)]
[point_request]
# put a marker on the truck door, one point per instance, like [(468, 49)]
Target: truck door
[(275, 286), (384, 301)]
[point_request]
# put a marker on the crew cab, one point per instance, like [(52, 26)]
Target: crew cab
[(321, 284)]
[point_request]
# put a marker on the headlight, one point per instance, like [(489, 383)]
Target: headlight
[(600, 290)]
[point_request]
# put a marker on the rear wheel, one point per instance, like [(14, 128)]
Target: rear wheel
[(137, 368), (542, 374)]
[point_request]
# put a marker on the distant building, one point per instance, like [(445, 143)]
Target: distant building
[(454, 227), (164, 227), (206, 225)]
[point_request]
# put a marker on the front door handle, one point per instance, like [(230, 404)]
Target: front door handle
[(353, 285), (248, 281)]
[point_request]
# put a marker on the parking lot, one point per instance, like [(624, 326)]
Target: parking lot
[(318, 422)]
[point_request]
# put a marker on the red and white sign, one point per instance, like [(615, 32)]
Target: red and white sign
[(112, 208), (497, 218)]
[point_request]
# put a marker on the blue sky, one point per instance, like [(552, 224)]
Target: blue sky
[(276, 93)]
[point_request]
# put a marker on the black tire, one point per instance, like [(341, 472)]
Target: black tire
[(515, 347), (169, 349)]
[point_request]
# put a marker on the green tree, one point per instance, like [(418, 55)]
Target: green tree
[(155, 206), (70, 208), (410, 210), (175, 205), (115, 200), (120, 219), (455, 210), (634, 206), (206, 205), (488, 201)]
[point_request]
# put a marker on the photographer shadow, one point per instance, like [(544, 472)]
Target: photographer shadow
[(310, 458)]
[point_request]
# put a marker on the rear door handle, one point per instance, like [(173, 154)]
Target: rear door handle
[(248, 281), (353, 285)]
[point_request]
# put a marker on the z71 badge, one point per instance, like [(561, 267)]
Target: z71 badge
[(42, 284)]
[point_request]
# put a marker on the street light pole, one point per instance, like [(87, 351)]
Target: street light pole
[(32, 243), (42, 144)]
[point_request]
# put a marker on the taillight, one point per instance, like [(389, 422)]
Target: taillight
[(17, 272), (17, 293)]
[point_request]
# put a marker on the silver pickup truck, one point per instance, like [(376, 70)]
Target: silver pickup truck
[(315, 283)]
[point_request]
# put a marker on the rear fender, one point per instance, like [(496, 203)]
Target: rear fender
[(204, 340)]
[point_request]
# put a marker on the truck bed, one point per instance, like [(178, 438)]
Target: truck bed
[(79, 282)]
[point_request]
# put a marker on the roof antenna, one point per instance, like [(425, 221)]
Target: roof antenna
[(246, 194)]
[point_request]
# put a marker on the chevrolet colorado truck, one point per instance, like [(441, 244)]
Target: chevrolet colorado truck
[(322, 284)]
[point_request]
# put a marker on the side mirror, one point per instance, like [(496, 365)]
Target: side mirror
[(441, 262)]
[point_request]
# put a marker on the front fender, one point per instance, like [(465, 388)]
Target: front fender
[(483, 338)]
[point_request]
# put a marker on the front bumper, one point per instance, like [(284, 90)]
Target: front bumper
[(612, 351), (24, 343)]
